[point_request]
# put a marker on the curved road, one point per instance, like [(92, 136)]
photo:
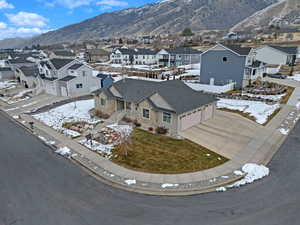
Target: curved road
[(38, 187)]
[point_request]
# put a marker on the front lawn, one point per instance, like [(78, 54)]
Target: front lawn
[(160, 154)]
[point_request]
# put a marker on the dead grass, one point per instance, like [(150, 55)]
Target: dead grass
[(246, 115), (160, 154), (289, 92), (272, 116)]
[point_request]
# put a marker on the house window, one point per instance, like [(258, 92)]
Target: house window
[(83, 73), (146, 113), (102, 101), (167, 117), (78, 85), (225, 59)]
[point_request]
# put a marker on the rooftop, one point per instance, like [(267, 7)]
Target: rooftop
[(291, 50), (60, 63), (30, 71), (178, 95), (67, 78)]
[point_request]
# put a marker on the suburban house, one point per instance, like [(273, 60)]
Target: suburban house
[(277, 55), (66, 77), (177, 57), (224, 64), (105, 80), (138, 56), (6, 73), (27, 75), (169, 104), (62, 54), (18, 62)]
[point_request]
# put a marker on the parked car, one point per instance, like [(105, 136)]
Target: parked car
[(277, 76)]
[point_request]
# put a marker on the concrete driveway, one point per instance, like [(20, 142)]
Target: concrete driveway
[(226, 134)]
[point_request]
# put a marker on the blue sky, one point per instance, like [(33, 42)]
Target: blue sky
[(22, 18)]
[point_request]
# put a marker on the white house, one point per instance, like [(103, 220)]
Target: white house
[(277, 55), (178, 56), (27, 76), (138, 56), (66, 77)]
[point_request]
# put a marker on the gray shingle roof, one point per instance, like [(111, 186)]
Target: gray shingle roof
[(67, 78), (19, 60), (59, 63), (64, 53), (291, 50), (178, 95), (238, 49), (184, 50), (30, 71), (75, 66), (5, 69)]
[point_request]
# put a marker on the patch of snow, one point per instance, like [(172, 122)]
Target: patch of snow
[(284, 131), (169, 185), (238, 173), (7, 84), (63, 151), (295, 77), (259, 110), (72, 112), (96, 146), (130, 182), (253, 172), (225, 177), (46, 141), (221, 189)]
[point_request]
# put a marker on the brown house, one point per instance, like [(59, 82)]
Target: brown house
[(169, 104)]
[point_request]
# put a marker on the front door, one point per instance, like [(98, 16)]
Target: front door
[(120, 105)]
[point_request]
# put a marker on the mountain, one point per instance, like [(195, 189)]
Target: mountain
[(161, 17), (285, 13)]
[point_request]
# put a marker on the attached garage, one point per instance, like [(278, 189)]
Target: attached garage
[(191, 119)]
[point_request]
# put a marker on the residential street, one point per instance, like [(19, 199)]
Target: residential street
[(38, 187)]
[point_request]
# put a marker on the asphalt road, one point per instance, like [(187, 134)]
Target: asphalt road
[(38, 187)]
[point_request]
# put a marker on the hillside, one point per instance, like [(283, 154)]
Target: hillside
[(161, 17), (285, 13)]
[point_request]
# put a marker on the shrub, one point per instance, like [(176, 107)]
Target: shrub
[(101, 115), (127, 120), (150, 129), (136, 123), (161, 130)]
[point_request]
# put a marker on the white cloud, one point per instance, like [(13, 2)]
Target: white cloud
[(11, 32), (27, 19), (112, 3), (71, 4), (2, 25), (5, 5)]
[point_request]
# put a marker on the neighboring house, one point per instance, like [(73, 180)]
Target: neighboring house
[(66, 77), (105, 80), (147, 39), (177, 57), (62, 54), (18, 62), (138, 56), (27, 76), (6, 73), (222, 65), (169, 104), (97, 55), (277, 55)]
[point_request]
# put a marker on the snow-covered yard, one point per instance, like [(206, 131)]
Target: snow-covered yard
[(296, 77), (259, 110), (72, 112), (7, 84)]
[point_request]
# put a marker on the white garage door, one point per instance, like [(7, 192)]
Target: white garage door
[(208, 113), (64, 91), (190, 120)]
